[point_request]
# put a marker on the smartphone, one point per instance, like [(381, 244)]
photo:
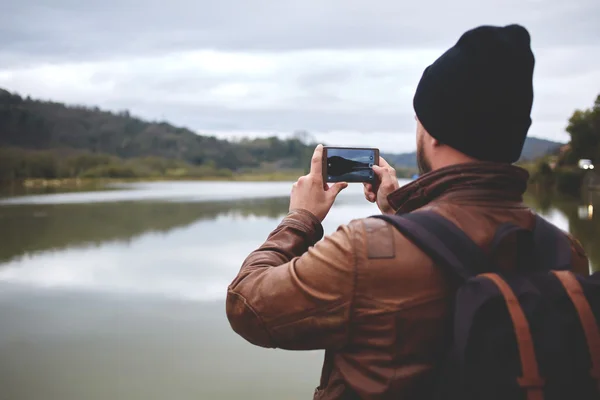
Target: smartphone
[(349, 164)]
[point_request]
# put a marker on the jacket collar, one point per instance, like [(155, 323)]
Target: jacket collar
[(477, 182)]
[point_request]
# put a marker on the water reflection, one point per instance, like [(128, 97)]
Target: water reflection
[(189, 191), (28, 229), (177, 248), (124, 300), (113, 299), (579, 216), (186, 250), (65, 345), (586, 211)]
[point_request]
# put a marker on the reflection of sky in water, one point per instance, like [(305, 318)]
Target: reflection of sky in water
[(176, 191), (196, 261), (113, 327), (193, 262)]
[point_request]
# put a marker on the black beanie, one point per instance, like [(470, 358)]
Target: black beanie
[(477, 96)]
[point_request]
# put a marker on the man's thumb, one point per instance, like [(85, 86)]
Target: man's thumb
[(337, 188), (379, 171)]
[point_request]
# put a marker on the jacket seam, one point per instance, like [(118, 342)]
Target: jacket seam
[(424, 301), (306, 213), (302, 315), (412, 304), (314, 228), (309, 234), (262, 324)]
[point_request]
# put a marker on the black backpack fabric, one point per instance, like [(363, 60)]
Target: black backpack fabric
[(532, 334)]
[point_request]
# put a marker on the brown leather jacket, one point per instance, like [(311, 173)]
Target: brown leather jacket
[(367, 295)]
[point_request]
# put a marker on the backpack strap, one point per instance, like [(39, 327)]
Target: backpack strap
[(508, 229), (531, 381), (586, 316), (544, 249), (448, 245), (442, 240), (524, 244)]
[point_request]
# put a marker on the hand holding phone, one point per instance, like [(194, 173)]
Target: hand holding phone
[(386, 182), (349, 164), (310, 193)]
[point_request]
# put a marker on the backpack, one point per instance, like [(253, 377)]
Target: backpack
[(531, 334)]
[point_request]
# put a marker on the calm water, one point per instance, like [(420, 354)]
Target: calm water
[(120, 294)]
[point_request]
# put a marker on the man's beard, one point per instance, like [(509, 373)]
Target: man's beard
[(422, 161)]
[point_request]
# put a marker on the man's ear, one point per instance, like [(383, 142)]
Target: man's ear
[(435, 142)]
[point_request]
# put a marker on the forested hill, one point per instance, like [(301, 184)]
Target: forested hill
[(43, 125), (40, 125)]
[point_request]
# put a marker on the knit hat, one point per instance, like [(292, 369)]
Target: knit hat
[(477, 96)]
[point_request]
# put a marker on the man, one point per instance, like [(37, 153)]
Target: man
[(376, 303)]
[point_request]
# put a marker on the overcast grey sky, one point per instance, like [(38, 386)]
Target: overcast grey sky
[(345, 70)]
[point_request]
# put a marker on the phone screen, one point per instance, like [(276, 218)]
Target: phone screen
[(350, 164)]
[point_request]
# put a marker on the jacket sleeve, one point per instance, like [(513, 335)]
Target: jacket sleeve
[(291, 295)]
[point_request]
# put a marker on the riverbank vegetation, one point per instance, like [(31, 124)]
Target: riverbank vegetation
[(50, 143), (67, 167), (52, 146), (559, 171)]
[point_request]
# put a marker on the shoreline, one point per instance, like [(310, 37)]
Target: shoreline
[(65, 185), (79, 182)]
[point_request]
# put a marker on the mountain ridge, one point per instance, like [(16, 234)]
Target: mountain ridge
[(31, 124), (534, 148)]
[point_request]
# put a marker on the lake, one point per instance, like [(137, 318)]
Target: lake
[(119, 294)]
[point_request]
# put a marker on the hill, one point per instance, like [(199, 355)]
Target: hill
[(46, 139), (408, 160), (534, 148), (41, 125)]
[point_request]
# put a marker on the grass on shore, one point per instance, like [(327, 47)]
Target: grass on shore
[(41, 185), (75, 182)]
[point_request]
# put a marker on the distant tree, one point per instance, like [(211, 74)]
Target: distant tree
[(304, 137), (114, 137), (584, 128)]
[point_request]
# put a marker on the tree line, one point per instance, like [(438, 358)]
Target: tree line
[(561, 171), (36, 134), (49, 140)]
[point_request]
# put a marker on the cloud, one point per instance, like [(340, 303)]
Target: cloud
[(345, 70), (67, 28)]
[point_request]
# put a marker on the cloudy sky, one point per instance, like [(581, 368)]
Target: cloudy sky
[(345, 70)]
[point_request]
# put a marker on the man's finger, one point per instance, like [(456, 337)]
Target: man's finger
[(381, 172), (337, 188), (369, 193), (316, 162)]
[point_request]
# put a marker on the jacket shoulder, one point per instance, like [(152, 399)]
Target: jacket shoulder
[(379, 238), (580, 260)]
